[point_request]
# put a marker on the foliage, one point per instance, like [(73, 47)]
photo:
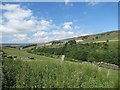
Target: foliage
[(53, 74), (106, 52), (29, 46), (71, 42), (10, 69)]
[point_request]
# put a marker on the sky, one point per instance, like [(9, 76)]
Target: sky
[(40, 22)]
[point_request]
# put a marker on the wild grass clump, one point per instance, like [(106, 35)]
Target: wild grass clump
[(49, 74)]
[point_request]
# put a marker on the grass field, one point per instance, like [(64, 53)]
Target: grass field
[(45, 72), (23, 54), (102, 37)]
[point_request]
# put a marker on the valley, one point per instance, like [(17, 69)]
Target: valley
[(87, 64)]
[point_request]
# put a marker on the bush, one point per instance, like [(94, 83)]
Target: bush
[(53, 74), (84, 52), (10, 70), (71, 42)]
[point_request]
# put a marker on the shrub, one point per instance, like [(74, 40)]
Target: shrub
[(10, 70)]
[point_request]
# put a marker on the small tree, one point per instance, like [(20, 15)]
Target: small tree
[(107, 40), (96, 37), (71, 42)]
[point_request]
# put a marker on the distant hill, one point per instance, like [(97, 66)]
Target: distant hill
[(101, 37)]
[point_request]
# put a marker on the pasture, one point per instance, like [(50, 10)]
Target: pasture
[(46, 72)]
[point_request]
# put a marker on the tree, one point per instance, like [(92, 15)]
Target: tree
[(107, 40), (71, 42)]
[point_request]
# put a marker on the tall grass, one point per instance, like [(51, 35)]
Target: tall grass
[(49, 74)]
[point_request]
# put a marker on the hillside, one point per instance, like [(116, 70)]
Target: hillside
[(86, 65), (46, 72), (101, 37)]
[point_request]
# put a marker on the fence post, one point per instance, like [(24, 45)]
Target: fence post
[(62, 58)]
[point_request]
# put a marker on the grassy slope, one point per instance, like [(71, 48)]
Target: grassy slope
[(23, 54), (113, 35), (103, 37), (67, 74)]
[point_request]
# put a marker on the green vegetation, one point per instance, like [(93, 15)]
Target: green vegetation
[(53, 74), (105, 52), (46, 70), (113, 35), (102, 37), (31, 45)]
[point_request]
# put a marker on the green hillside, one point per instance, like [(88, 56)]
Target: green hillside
[(111, 36), (45, 72), (91, 52), (87, 64)]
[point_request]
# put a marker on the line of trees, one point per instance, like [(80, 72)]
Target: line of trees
[(84, 52)]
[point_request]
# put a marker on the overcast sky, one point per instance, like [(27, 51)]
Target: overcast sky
[(42, 22)]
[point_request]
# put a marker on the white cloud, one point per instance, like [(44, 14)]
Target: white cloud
[(43, 25), (53, 35), (16, 19), (20, 35), (1, 19), (93, 2), (85, 34), (40, 34), (68, 23), (9, 7), (19, 38), (19, 22), (41, 39), (67, 26), (6, 30), (66, 1), (77, 27), (43, 22), (62, 33), (14, 11)]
